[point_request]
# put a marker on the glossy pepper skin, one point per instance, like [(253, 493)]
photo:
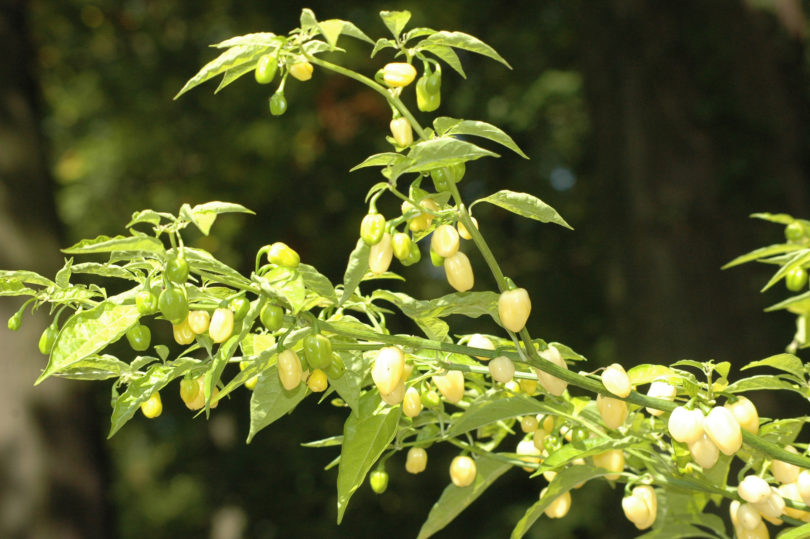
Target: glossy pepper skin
[(372, 228), (240, 308), (428, 92), (283, 255), (272, 317), (146, 302), (336, 367), (301, 71), (176, 270), (278, 104), (401, 244), (48, 338), (173, 304), (378, 479), (15, 321), (514, 307), (318, 351), (139, 337), (221, 327), (266, 69), (398, 74), (402, 132)]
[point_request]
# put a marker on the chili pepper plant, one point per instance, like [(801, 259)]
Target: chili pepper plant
[(676, 439)]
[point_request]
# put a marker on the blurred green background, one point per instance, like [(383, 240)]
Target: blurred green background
[(654, 128)]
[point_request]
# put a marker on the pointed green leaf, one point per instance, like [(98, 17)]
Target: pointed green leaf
[(104, 244), (452, 126), (87, 332), (795, 304), (104, 270), (271, 401), (233, 74), (455, 499), (22, 276), (355, 270), (141, 388), (380, 160), (436, 153), (763, 252), (230, 59), (366, 434), (203, 263), (308, 20), (784, 362), (395, 21), (562, 483), (761, 383), (646, 373), (330, 30), (383, 43), (780, 218), (349, 385), (96, 368), (797, 259), (204, 215), (349, 29), (525, 205), (488, 411), (317, 282), (145, 216), (258, 39), (446, 54), (799, 532), (460, 40)]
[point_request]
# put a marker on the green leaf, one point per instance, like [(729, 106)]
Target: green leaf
[(452, 126), (233, 57), (287, 284), (96, 368), (355, 270), (455, 499), (383, 43), (104, 270), (439, 152), (794, 304), (800, 532), (780, 218), (87, 332), (760, 383), (784, 362), (646, 373), (460, 40), (213, 374), (204, 215), (203, 263), (366, 434), (798, 259), (271, 401), (395, 21), (144, 216), (330, 30), (380, 159), (332, 441), (349, 385), (308, 20), (141, 388), (487, 411), (562, 483), (763, 252), (317, 282), (11, 279), (349, 29), (258, 39), (525, 205), (446, 54), (233, 74), (104, 244)]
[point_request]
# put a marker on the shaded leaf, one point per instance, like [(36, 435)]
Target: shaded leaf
[(763, 252), (271, 401), (488, 411)]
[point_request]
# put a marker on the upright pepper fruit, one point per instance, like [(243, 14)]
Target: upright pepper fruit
[(301, 70), (318, 351), (146, 302), (402, 132), (372, 228), (398, 74)]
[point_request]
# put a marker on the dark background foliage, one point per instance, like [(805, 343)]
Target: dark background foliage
[(654, 128)]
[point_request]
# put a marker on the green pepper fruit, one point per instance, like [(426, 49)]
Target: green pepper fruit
[(579, 435), (176, 270), (139, 337), (266, 69), (336, 368), (48, 338), (372, 228), (173, 304), (436, 259), (272, 317), (552, 443), (15, 321), (796, 279), (457, 171), (414, 255), (278, 104), (441, 178), (378, 480), (794, 231), (146, 302), (428, 92), (430, 399), (240, 307), (401, 244), (283, 255), (318, 351)]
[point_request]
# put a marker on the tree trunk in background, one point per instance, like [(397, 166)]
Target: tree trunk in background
[(695, 119), (51, 481)]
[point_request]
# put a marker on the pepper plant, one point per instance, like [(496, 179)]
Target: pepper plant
[(285, 332)]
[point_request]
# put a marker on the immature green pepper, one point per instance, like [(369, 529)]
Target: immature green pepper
[(402, 132), (318, 351), (336, 368), (173, 304), (139, 337), (428, 92), (372, 228), (272, 317), (401, 244), (266, 69), (15, 321), (176, 270), (282, 254), (48, 338), (240, 307), (278, 104), (146, 302)]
